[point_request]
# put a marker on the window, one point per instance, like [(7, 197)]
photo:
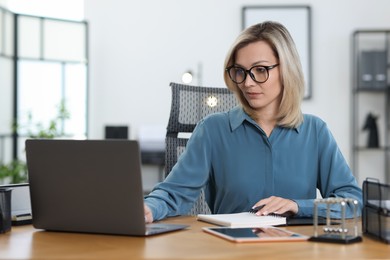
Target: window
[(43, 69)]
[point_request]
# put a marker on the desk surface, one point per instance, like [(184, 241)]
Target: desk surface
[(25, 242)]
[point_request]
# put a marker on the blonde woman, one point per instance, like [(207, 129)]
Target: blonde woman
[(264, 152)]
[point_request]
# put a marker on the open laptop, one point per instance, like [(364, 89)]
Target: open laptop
[(91, 186)]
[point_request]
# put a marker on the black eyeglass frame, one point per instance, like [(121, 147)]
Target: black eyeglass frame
[(267, 68)]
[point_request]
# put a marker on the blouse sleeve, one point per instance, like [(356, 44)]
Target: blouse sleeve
[(335, 179), (177, 193)]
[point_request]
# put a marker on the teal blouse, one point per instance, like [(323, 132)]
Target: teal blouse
[(231, 157)]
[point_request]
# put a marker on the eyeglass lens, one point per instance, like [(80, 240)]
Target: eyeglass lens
[(257, 73)]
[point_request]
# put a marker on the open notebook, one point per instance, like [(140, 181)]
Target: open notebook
[(243, 219)]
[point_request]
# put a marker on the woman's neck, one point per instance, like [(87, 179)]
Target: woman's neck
[(266, 120)]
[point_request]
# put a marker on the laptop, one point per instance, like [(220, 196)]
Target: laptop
[(88, 186)]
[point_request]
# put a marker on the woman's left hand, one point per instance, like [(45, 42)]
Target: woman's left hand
[(277, 205)]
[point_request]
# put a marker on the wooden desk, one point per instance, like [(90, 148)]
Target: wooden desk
[(25, 242)]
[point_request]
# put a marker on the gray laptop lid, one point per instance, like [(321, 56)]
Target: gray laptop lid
[(91, 186)]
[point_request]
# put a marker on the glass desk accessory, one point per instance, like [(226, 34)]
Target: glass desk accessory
[(345, 232)]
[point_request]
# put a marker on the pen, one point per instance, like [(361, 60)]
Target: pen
[(255, 209)]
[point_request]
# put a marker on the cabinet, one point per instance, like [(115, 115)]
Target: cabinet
[(370, 104)]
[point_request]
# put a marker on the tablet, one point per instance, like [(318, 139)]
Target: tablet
[(260, 234)]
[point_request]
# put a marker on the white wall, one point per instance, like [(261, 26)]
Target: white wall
[(138, 47), (4, 3)]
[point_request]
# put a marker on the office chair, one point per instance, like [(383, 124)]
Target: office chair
[(189, 105)]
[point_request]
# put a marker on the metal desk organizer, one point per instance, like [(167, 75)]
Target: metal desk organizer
[(344, 233), (376, 209)]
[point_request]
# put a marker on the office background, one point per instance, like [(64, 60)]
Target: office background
[(137, 47)]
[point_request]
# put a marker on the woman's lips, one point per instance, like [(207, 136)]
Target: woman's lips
[(253, 94)]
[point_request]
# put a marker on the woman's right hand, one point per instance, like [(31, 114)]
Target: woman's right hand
[(277, 205), (148, 214)]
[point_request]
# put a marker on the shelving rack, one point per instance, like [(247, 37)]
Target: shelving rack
[(370, 94)]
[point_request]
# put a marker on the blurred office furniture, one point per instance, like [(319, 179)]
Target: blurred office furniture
[(20, 203), (116, 132), (151, 141), (189, 105), (371, 99), (152, 145)]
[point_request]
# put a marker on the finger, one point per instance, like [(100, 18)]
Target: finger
[(148, 214), (268, 206), (284, 207), (275, 205), (263, 202)]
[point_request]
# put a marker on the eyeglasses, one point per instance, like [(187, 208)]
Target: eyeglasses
[(259, 74)]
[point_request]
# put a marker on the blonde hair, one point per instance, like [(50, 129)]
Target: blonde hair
[(291, 75)]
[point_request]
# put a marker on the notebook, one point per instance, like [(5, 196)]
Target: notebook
[(248, 219), (243, 219), (88, 186)]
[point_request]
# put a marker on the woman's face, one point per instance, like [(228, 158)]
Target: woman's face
[(260, 96)]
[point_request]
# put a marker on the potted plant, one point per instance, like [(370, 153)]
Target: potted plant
[(16, 170)]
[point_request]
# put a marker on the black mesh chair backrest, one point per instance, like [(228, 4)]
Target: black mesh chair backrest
[(189, 105)]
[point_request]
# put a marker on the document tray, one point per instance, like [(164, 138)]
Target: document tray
[(376, 210)]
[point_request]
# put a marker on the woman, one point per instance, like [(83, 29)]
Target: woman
[(264, 152)]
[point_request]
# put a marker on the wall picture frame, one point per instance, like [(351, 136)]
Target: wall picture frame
[(297, 19)]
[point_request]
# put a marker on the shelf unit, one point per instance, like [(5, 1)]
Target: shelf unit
[(371, 95)]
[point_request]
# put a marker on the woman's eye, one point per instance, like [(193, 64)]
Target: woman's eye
[(260, 69)]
